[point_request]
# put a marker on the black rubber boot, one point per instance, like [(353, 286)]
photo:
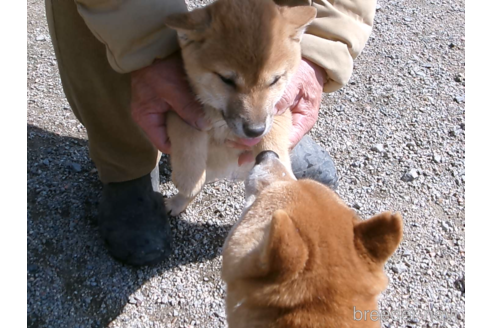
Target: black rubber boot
[(133, 222), (310, 161)]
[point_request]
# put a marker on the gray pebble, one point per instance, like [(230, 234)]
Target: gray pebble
[(399, 268), (460, 284), (32, 268), (378, 148), (138, 297), (410, 175), (459, 77), (75, 167), (459, 99), (445, 226)]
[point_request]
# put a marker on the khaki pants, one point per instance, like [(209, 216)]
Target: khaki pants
[(99, 97)]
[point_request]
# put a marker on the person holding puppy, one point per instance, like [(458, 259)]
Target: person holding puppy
[(121, 72)]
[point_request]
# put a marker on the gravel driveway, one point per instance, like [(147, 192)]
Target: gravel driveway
[(396, 133)]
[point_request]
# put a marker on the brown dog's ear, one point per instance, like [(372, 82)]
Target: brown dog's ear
[(280, 252), (379, 236), (299, 17), (189, 25), (284, 251)]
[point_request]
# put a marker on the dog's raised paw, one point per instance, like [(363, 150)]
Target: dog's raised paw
[(176, 204)]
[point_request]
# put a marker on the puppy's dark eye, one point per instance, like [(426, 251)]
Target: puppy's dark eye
[(275, 80), (229, 82)]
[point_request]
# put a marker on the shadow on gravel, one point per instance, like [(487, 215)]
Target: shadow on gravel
[(71, 279)]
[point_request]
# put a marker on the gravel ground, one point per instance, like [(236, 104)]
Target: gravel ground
[(396, 133)]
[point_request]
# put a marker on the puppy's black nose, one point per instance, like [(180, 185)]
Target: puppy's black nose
[(265, 155), (253, 130)]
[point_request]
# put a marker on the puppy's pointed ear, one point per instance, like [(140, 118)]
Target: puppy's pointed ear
[(299, 18), (190, 26), (379, 236), (284, 252)]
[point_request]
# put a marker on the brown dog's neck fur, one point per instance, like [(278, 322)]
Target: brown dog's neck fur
[(323, 310)]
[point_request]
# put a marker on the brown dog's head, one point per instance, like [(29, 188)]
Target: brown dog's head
[(299, 257), (239, 56)]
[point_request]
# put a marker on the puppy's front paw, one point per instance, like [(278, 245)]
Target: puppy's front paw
[(177, 204)]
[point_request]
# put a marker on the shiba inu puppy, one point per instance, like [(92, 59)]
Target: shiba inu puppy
[(300, 257), (239, 57)]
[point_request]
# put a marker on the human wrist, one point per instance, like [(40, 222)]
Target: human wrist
[(316, 71)]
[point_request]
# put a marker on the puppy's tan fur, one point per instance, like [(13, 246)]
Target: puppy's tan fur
[(299, 257), (256, 45)]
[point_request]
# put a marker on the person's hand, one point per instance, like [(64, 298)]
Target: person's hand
[(303, 98), (158, 88)]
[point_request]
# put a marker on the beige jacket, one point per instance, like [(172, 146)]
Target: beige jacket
[(134, 33)]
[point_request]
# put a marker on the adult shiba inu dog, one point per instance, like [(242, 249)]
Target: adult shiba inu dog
[(299, 257), (239, 56)]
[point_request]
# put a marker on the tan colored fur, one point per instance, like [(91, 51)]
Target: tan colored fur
[(255, 44), (299, 257)]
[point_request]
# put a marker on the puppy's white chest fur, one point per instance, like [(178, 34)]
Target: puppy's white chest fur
[(222, 161)]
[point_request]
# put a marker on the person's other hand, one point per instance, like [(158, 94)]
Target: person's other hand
[(158, 88), (303, 98)]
